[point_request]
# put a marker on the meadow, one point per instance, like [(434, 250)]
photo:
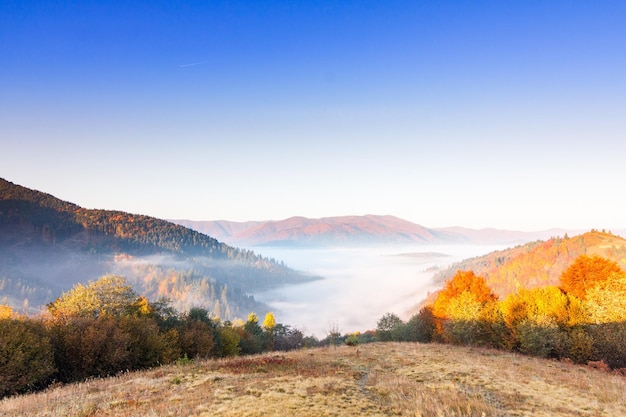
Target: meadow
[(378, 379)]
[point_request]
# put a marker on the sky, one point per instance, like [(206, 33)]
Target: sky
[(448, 113)]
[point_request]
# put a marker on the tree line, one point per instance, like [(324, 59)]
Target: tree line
[(583, 319), (103, 328)]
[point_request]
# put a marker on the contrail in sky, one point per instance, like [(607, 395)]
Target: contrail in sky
[(190, 65)]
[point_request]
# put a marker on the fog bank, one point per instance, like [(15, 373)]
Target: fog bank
[(359, 285)]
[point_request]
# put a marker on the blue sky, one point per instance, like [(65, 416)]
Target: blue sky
[(484, 113)]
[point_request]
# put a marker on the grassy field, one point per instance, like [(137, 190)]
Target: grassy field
[(403, 379)]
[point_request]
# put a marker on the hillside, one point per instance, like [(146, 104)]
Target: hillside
[(378, 379), (47, 245), (353, 231), (539, 263)]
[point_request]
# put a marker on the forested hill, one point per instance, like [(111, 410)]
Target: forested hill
[(539, 263), (47, 245), (55, 219)]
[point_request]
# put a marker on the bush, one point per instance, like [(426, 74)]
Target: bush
[(421, 327), (87, 347), (147, 347), (26, 356), (230, 341), (544, 340), (610, 343), (580, 345), (352, 339), (197, 338)]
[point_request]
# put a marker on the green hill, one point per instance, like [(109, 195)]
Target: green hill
[(47, 245)]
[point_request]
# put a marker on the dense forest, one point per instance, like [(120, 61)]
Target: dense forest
[(47, 245)]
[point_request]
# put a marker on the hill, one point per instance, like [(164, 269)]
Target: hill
[(538, 263), (374, 380), (47, 245), (353, 231)]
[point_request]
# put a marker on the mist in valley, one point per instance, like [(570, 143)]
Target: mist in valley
[(359, 285)]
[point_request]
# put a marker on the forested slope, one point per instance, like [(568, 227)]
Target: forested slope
[(539, 263), (47, 245)]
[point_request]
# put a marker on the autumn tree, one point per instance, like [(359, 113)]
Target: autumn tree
[(586, 272), (464, 286), (606, 301), (6, 312), (270, 322), (108, 296)]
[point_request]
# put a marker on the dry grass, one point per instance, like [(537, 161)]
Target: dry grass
[(382, 379)]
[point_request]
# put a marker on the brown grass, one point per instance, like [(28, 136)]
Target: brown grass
[(403, 379)]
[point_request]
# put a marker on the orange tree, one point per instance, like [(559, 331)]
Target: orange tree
[(464, 285), (587, 272)]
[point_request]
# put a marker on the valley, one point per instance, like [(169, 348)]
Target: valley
[(359, 284)]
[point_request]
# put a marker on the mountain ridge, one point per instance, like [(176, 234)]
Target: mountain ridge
[(355, 230)]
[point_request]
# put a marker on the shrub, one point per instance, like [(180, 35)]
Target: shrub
[(197, 338), (352, 339), (580, 345), (26, 356), (147, 347), (544, 340), (230, 341), (86, 347), (421, 326), (610, 343)]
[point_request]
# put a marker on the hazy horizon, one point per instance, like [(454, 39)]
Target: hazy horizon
[(481, 114)]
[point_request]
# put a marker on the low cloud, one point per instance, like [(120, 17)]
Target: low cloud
[(359, 285)]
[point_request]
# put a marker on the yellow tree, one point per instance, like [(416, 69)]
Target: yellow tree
[(6, 312), (606, 301), (108, 296), (542, 305), (270, 322)]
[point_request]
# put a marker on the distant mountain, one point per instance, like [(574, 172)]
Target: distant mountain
[(47, 245), (353, 231), (538, 263)]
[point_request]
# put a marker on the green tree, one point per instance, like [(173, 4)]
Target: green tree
[(421, 326), (230, 341), (387, 325)]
